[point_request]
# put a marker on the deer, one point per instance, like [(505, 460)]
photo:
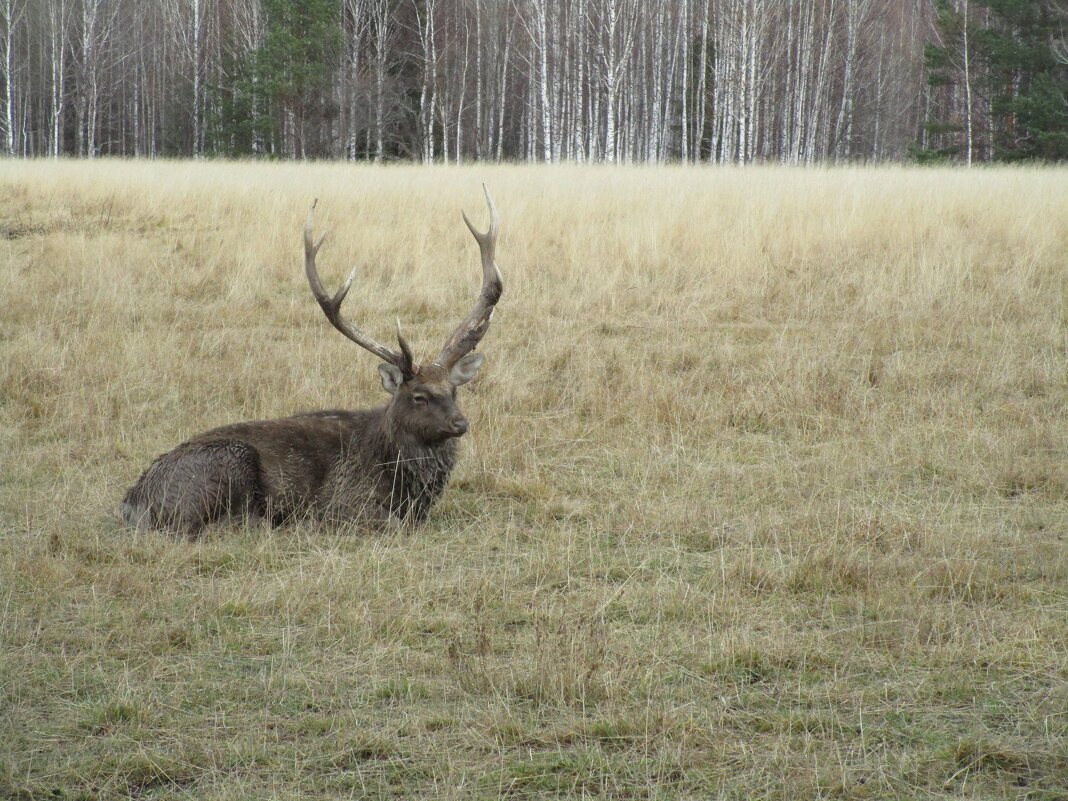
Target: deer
[(386, 465)]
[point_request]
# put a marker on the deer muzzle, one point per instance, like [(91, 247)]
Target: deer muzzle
[(457, 428)]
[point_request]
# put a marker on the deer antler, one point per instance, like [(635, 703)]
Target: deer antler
[(473, 328), (332, 306)]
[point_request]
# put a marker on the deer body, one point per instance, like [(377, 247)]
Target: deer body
[(373, 465), (330, 465)]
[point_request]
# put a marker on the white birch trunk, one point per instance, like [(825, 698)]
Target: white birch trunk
[(965, 37), (841, 147), (685, 35), (752, 57), (541, 47), (382, 22), (58, 20), (463, 95), (479, 82), (10, 15), (198, 132), (815, 143), (702, 84), (804, 68), (503, 90), (428, 91)]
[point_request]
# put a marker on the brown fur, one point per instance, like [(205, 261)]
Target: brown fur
[(372, 465)]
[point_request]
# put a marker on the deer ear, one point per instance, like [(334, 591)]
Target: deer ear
[(392, 377), (465, 369)]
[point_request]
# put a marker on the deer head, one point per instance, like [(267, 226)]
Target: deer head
[(423, 406)]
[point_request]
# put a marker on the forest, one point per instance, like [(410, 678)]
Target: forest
[(618, 81)]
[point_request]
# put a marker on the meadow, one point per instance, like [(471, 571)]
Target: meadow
[(765, 494)]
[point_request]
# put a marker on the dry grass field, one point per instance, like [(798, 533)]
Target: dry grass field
[(765, 496)]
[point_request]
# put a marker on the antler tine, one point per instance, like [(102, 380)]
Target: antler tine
[(473, 328), (331, 306)]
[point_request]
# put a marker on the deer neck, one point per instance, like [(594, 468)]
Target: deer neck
[(413, 455), (417, 474)]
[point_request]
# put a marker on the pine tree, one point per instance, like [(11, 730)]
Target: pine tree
[(278, 98), (242, 124), (1029, 87), (297, 61), (1005, 65)]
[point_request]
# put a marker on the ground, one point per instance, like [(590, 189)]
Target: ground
[(765, 494)]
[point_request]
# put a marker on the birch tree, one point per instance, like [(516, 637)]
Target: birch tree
[(425, 13), (11, 13), (381, 20), (539, 32), (97, 18), (58, 21), (619, 21)]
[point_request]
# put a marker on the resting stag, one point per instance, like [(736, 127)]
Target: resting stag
[(388, 464)]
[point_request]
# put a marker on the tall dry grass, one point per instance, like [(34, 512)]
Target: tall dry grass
[(765, 494)]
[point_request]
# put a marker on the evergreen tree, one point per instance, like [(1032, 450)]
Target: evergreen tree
[(242, 124), (1028, 86), (1006, 66), (278, 98), (297, 60), (949, 76)]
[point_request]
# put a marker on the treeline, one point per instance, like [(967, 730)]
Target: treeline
[(794, 81)]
